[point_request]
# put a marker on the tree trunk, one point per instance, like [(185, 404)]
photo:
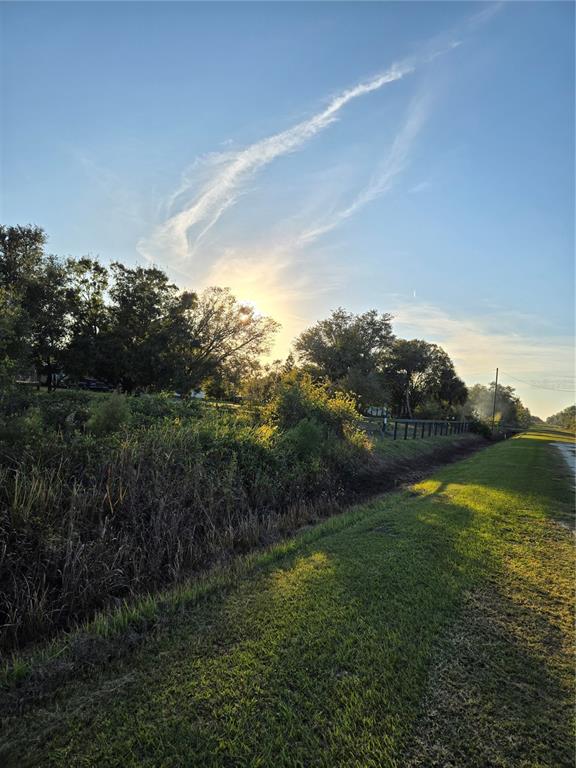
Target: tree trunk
[(408, 408)]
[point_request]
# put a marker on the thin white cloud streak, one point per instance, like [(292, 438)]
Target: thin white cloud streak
[(382, 182), (272, 270), (222, 191), (231, 170), (275, 275)]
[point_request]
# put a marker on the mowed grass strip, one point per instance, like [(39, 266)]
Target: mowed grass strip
[(431, 627)]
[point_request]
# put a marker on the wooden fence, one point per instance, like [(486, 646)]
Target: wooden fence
[(413, 429)]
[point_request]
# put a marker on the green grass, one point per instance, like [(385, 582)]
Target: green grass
[(414, 448), (429, 628)]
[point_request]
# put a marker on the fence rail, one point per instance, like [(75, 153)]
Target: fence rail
[(413, 429)]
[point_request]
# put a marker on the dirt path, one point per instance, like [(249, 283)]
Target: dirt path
[(568, 451)]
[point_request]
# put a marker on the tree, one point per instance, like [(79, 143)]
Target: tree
[(10, 347), (565, 419), (419, 372), (227, 337), (21, 260), (509, 408), (90, 317), (344, 341), (127, 324), (52, 303), (145, 322), (21, 254), (349, 350)]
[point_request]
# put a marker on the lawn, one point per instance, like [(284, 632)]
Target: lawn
[(431, 627)]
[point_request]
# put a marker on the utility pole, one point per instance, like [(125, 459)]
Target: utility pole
[(494, 403)]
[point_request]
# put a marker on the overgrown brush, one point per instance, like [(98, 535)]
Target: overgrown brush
[(99, 504)]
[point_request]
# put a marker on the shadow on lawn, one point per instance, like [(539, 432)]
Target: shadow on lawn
[(325, 660), (388, 642)]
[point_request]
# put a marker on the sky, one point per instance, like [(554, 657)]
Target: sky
[(413, 157)]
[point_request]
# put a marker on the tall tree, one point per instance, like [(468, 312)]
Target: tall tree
[(418, 372), (52, 304), (227, 337), (21, 260), (133, 345), (349, 350), (509, 408), (565, 418), (21, 254), (90, 317)]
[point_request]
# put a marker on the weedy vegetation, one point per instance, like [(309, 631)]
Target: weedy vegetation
[(103, 497)]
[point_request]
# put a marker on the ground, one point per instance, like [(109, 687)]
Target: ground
[(430, 627)]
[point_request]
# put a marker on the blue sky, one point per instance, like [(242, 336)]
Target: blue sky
[(413, 157)]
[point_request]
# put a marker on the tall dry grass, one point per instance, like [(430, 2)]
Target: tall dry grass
[(88, 519)]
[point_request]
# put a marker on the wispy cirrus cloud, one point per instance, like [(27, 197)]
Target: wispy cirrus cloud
[(276, 268), (233, 170), (221, 177), (383, 180)]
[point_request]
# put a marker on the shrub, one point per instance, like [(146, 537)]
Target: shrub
[(479, 427), (109, 415), (146, 410), (64, 410), (299, 398), (19, 432), (304, 441)]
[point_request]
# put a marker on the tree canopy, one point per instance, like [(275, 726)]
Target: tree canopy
[(118, 323), (565, 418)]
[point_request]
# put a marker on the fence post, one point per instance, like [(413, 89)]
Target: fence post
[(405, 430), (395, 429), (414, 434), (423, 428)]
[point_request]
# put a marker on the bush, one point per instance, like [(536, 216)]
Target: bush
[(109, 415), (63, 410), (298, 398), (479, 427), (304, 441), (146, 410), (21, 432)]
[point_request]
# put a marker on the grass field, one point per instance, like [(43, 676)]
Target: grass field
[(432, 627)]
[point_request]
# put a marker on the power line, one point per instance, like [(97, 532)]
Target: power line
[(539, 385)]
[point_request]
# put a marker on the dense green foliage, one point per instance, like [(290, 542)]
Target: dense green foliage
[(430, 628), (565, 419), (360, 354), (103, 496), (121, 325)]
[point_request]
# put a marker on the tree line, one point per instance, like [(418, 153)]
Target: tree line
[(132, 326), (565, 418), (119, 324)]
